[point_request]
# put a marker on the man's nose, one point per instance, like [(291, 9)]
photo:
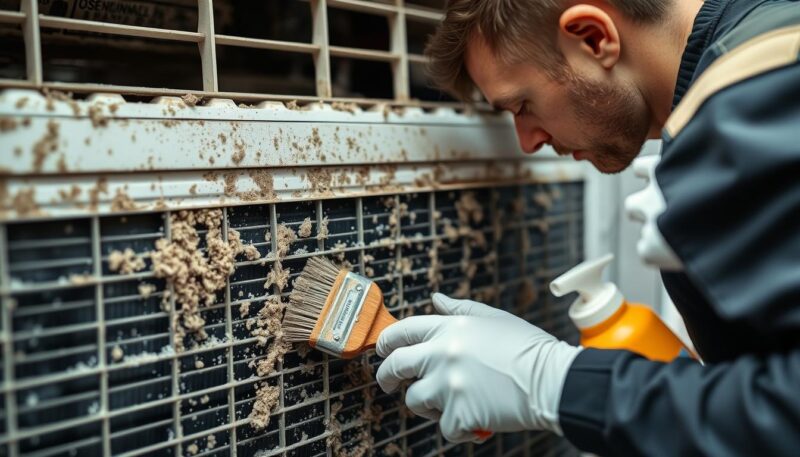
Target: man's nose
[(531, 138)]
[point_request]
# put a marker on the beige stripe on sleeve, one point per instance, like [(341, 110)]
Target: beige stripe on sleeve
[(758, 55)]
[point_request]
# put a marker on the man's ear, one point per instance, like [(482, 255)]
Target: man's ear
[(586, 31)]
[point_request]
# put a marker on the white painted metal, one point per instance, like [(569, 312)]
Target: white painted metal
[(208, 46), (33, 47), (204, 137), (169, 155)]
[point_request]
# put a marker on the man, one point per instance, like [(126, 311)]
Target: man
[(595, 79)]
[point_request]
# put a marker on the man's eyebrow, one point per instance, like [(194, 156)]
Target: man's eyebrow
[(506, 101)]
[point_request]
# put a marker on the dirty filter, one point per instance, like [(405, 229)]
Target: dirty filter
[(89, 361)]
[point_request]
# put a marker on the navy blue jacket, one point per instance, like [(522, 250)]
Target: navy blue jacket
[(730, 175)]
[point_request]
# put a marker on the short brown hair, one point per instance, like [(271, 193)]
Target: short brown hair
[(517, 30)]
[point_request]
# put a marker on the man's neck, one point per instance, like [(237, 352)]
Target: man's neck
[(661, 61)]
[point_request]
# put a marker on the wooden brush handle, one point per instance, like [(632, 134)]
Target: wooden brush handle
[(382, 320)]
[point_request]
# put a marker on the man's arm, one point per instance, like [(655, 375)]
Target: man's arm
[(731, 180), (616, 403)]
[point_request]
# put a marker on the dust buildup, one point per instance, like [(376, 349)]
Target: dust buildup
[(117, 354), (267, 397), (285, 237), (268, 321), (123, 202), (357, 373), (194, 276), (469, 209), (125, 262), (146, 290), (101, 187), (339, 252), (80, 280), (316, 140), (192, 449), (244, 309), (265, 182), (21, 103), (47, 144), (239, 152), (322, 231), (351, 108), (7, 124), (71, 195), (305, 228), (497, 225), (392, 449), (191, 99), (449, 231), (51, 96), (24, 202), (463, 289), (251, 252), (321, 181), (268, 329), (277, 276), (544, 200), (268, 324), (230, 184), (335, 439), (435, 275), (526, 295), (398, 211), (95, 113)]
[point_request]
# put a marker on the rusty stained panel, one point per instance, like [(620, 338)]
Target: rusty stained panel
[(89, 365)]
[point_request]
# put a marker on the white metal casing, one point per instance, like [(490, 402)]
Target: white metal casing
[(170, 155)]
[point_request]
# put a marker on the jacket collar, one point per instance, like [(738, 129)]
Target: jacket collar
[(705, 23)]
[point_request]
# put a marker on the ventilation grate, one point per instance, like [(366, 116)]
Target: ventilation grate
[(308, 50), (89, 368)]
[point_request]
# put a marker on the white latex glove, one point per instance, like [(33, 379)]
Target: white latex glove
[(477, 368)]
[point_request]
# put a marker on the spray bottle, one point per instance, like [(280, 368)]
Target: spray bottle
[(607, 321)]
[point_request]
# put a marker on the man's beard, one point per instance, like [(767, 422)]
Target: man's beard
[(613, 117)]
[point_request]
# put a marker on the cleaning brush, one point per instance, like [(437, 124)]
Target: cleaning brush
[(335, 310), (338, 312)]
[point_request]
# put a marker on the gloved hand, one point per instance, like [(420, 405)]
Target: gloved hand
[(476, 367)]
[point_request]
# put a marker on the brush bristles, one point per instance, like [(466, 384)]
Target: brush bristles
[(311, 290)]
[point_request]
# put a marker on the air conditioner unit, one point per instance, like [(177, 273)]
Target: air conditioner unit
[(152, 223)]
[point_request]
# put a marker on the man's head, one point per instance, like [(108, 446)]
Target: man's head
[(559, 66)]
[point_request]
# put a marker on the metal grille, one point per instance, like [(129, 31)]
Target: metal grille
[(68, 391), (277, 49), (88, 362)]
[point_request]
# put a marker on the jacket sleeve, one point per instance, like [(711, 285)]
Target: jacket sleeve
[(731, 181), (617, 403)]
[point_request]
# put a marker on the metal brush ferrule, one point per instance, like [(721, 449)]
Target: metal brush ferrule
[(342, 314)]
